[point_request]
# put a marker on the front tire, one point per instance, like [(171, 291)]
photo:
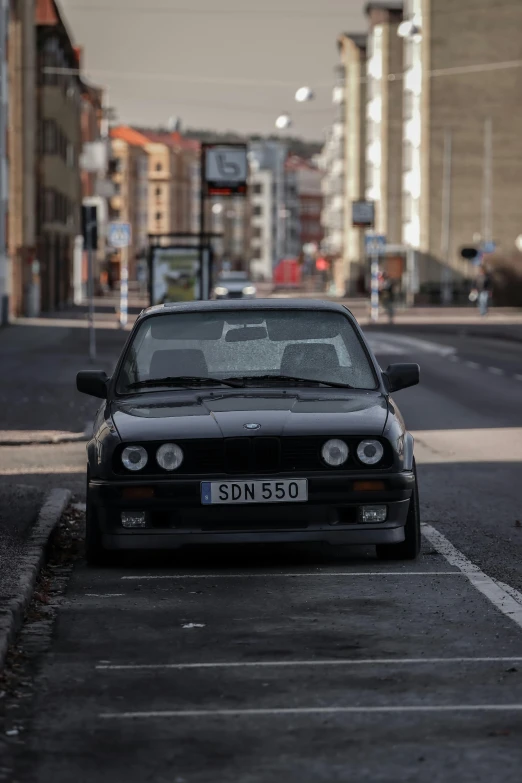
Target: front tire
[(409, 549), (95, 553)]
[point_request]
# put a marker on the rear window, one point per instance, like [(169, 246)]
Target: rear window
[(314, 345)]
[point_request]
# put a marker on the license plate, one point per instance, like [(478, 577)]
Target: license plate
[(230, 492)]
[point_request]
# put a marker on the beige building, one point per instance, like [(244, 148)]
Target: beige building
[(461, 73), (352, 49), (22, 159), (384, 119), (130, 203)]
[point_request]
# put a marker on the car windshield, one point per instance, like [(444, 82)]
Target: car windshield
[(233, 277), (255, 347)]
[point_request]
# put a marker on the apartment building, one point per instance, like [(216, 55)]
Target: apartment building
[(274, 208), (59, 195), (462, 132), (384, 118), (310, 200), (22, 135), (131, 199)]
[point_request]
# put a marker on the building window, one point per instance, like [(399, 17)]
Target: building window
[(257, 232), (158, 216), (257, 253), (158, 192), (50, 137), (258, 188), (159, 167), (258, 210)]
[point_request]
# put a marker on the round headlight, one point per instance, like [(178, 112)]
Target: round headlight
[(169, 456), (370, 452), (134, 457), (221, 291), (249, 290), (335, 452)]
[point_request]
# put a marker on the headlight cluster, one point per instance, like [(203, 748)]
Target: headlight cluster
[(249, 290), (221, 291), (169, 457), (335, 452)]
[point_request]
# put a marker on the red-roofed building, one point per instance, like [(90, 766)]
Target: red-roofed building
[(168, 201)]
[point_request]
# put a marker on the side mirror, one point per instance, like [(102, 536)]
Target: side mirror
[(92, 383), (401, 376)]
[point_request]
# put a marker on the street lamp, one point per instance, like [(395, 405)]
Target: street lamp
[(408, 29), (304, 94), (283, 122)]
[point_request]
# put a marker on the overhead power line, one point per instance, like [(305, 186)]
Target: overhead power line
[(125, 10)]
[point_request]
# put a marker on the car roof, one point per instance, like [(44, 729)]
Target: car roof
[(231, 305)]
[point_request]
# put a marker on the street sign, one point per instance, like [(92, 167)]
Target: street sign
[(375, 244), (363, 214), (226, 169), (119, 235), (488, 247)]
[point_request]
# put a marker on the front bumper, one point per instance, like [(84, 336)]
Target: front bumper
[(176, 516)]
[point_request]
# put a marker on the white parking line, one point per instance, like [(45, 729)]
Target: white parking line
[(287, 576), (496, 371), (312, 711), (518, 377), (276, 664), (473, 365), (504, 597)]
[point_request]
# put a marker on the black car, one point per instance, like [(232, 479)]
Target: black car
[(259, 421)]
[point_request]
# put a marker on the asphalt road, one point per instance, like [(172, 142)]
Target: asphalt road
[(299, 663)]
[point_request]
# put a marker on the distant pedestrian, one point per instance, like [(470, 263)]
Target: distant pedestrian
[(484, 286), (388, 295)]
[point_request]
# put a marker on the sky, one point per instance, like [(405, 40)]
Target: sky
[(215, 64)]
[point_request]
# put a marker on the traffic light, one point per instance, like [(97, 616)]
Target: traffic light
[(90, 227), (469, 253)]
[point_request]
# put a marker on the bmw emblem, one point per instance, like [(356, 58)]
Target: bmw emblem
[(252, 426)]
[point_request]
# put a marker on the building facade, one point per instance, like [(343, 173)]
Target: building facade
[(384, 119), (131, 199), (310, 200), (462, 134), (59, 195), (5, 267)]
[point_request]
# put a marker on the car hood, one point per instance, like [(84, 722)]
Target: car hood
[(185, 417)]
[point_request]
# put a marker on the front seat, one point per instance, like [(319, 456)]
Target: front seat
[(184, 361), (310, 360)]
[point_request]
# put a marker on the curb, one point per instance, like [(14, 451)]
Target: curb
[(74, 438), (11, 619)]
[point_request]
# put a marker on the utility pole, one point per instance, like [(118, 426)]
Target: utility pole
[(445, 239), (487, 210), (124, 287)]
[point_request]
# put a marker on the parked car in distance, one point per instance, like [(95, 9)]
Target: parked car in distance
[(260, 421), (234, 285)]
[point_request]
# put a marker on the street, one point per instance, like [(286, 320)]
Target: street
[(294, 663)]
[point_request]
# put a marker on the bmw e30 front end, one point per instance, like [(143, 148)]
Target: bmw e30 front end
[(260, 423)]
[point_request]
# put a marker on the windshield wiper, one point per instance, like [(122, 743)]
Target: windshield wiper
[(185, 380), (291, 379)]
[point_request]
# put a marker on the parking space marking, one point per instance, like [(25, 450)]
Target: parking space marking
[(312, 711), (473, 365), (496, 371), (286, 576), (503, 596), (275, 664)]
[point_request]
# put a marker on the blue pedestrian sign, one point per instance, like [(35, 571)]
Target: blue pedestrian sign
[(119, 235), (375, 244)]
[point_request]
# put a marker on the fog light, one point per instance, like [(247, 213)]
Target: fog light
[(374, 513), (133, 519)]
